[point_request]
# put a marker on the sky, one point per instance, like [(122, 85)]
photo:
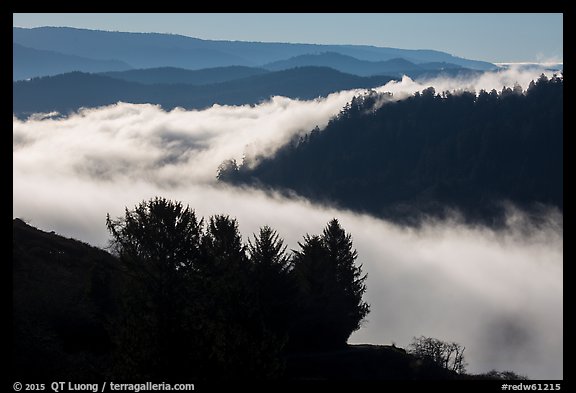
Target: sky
[(493, 37)]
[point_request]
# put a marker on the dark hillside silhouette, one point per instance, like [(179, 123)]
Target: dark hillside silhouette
[(428, 154), (64, 296)]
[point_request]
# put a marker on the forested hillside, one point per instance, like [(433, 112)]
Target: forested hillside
[(427, 155)]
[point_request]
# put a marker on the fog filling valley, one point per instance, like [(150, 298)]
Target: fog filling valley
[(498, 293)]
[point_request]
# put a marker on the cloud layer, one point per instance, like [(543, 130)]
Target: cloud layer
[(497, 293)]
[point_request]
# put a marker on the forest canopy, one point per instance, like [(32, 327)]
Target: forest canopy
[(427, 155)]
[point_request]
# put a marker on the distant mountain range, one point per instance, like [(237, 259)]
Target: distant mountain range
[(351, 65), (39, 49), (71, 91), (63, 69), (29, 62)]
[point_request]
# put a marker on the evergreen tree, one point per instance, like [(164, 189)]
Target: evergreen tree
[(270, 273), (188, 310), (314, 278), (228, 171), (349, 279), (222, 245), (239, 345), (158, 245), (268, 252), (330, 286), (159, 238)]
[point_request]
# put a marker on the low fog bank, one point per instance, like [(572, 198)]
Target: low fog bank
[(513, 73), (498, 293)]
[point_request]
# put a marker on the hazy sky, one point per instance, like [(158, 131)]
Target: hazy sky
[(521, 37)]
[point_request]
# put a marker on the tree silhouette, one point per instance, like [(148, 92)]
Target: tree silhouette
[(200, 303), (228, 171), (158, 244), (449, 356), (314, 278), (222, 245), (349, 278), (239, 345), (188, 310), (270, 273), (330, 289), (162, 236), (268, 252)]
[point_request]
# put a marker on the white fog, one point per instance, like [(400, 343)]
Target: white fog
[(498, 293)]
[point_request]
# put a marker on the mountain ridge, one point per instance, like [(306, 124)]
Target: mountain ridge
[(352, 65), (194, 53), (69, 92), (29, 62)]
